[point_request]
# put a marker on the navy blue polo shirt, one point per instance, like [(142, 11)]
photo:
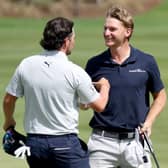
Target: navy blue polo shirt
[(131, 84)]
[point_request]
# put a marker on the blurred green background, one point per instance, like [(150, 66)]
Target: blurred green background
[(20, 38)]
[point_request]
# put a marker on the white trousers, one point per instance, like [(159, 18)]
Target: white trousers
[(114, 153)]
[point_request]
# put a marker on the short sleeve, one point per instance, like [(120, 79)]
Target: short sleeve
[(83, 85), (15, 86), (155, 82), (86, 91)]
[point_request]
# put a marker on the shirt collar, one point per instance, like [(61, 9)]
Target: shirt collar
[(130, 59), (55, 53)]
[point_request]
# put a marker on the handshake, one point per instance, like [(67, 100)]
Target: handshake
[(14, 144), (103, 87)]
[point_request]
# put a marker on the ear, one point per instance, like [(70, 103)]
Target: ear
[(128, 32), (66, 42)]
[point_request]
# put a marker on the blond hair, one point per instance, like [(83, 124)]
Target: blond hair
[(121, 14)]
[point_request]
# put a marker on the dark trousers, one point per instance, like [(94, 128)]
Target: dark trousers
[(64, 151)]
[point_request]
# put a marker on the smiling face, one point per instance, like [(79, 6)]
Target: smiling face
[(115, 33)]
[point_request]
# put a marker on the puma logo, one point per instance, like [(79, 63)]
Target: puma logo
[(45, 62)]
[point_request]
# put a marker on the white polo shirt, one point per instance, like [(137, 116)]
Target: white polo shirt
[(52, 86)]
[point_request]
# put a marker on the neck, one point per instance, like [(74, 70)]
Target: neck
[(64, 49), (120, 54)]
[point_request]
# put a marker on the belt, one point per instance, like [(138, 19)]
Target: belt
[(50, 136), (109, 134)]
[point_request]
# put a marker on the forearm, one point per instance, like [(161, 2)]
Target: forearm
[(104, 92), (157, 106), (100, 104), (8, 108), (155, 109)]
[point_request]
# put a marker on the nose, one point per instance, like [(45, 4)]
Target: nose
[(106, 32)]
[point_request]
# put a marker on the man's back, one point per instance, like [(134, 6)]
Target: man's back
[(49, 87)]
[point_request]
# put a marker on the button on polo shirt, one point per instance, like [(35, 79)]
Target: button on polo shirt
[(131, 83)]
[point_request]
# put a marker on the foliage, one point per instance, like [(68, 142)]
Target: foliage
[(70, 8)]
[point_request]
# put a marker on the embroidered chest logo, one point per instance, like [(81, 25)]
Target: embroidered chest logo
[(137, 70)]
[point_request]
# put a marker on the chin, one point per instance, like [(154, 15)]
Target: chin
[(109, 44)]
